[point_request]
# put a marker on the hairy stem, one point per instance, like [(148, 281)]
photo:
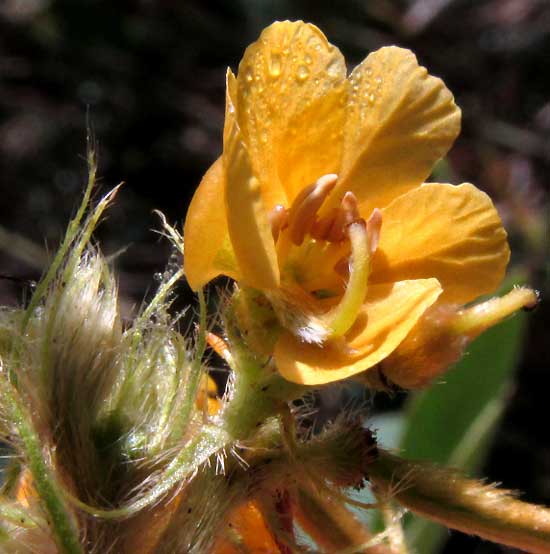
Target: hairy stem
[(457, 502), (63, 525), (332, 525)]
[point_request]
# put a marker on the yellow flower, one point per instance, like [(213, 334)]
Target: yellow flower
[(318, 202)]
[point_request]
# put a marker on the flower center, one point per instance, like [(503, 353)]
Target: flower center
[(343, 224)]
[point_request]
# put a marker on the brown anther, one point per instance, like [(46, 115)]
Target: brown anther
[(346, 214), (374, 224), (304, 208), (278, 219), (322, 226)]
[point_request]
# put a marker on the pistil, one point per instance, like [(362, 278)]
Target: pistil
[(476, 319), (340, 319)]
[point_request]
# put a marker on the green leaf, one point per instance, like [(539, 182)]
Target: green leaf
[(451, 423)]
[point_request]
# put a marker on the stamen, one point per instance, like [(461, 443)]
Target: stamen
[(304, 208), (322, 226), (374, 224), (278, 219), (343, 316), (346, 214), (472, 321)]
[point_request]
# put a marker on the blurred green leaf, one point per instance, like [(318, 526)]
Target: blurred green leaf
[(451, 423)]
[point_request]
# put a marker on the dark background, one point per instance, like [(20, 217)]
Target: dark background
[(151, 75)]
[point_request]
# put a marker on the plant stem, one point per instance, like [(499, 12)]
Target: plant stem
[(62, 523), (446, 497), (332, 526)]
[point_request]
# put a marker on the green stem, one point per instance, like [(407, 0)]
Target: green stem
[(14, 513), (63, 525), (446, 497)]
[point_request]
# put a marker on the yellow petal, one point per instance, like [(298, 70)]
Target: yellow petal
[(291, 95), (208, 252), (400, 121), (389, 313), (247, 219), (452, 233), (250, 531)]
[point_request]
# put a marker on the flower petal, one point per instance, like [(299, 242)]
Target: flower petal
[(452, 233), (248, 525), (247, 219), (389, 313), (291, 95), (400, 121), (208, 252)]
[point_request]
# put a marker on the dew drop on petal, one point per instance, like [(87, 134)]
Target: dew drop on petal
[(275, 65), (249, 74), (307, 59), (302, 73), (333, 68), (313, 42)]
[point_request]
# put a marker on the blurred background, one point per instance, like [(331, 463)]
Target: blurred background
[(150, 74)]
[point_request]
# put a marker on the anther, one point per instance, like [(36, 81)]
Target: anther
[(278, 219), (346, 214), (304, 208), (374, 224)]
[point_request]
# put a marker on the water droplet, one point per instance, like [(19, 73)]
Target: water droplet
[(157, 277), (307, 59), (379, 80), (302, 73), (333, 68), (249, 74), (313, 41), (368, 71), (263, 136), (275, 65), (372, 98)]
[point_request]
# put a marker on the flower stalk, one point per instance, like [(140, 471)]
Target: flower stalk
[(446, 497)]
